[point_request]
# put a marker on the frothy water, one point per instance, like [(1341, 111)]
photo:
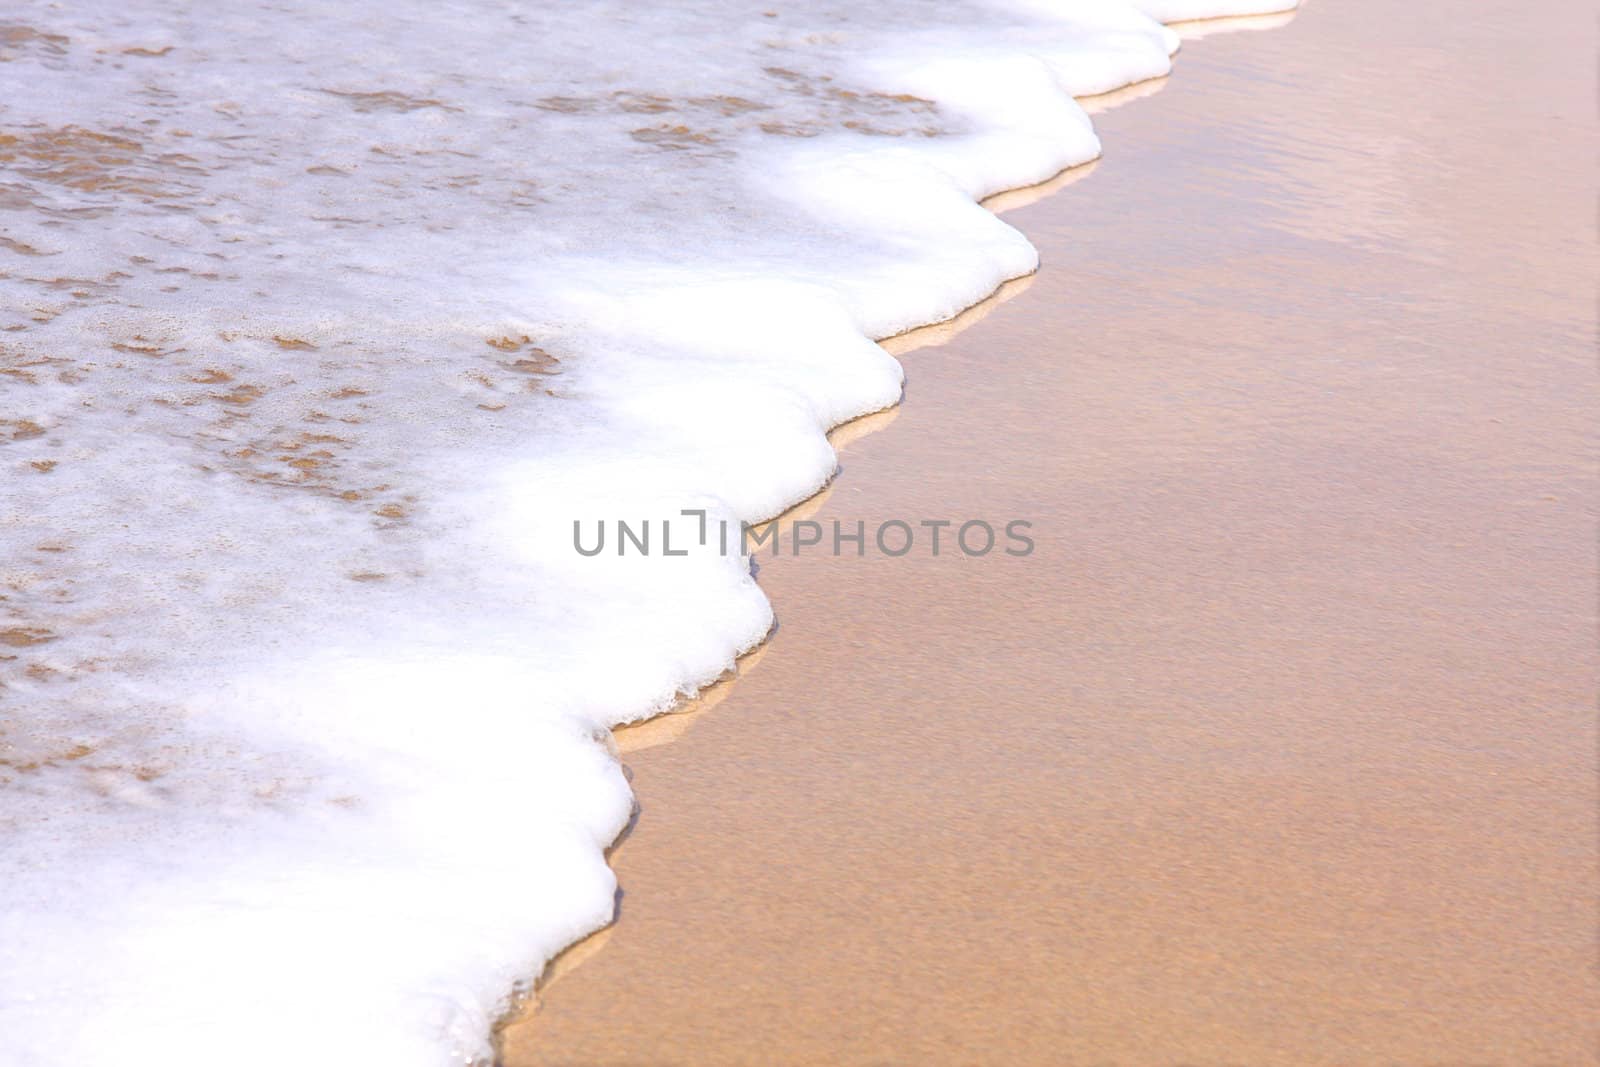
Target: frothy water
[(320, 323)]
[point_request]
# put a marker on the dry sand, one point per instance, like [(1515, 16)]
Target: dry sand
[(1281, 748)]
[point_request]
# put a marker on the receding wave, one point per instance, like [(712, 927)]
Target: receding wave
[(322, 322)]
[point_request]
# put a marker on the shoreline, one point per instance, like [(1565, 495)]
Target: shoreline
[(1492, 1015), (667, 725)]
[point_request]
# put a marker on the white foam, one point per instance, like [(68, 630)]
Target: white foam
[(324, 322)]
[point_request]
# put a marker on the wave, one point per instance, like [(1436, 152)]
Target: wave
[(322, 323)]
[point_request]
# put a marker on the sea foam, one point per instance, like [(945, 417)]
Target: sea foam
[(320, 324)]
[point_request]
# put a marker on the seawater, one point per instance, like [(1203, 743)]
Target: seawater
[(320, 325)]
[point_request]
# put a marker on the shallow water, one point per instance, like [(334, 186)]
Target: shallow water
[(1281, 747)]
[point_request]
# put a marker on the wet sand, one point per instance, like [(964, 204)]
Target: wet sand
[(1281, 747)]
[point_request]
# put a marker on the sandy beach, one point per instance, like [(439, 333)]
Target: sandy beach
[(1281, 747)]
